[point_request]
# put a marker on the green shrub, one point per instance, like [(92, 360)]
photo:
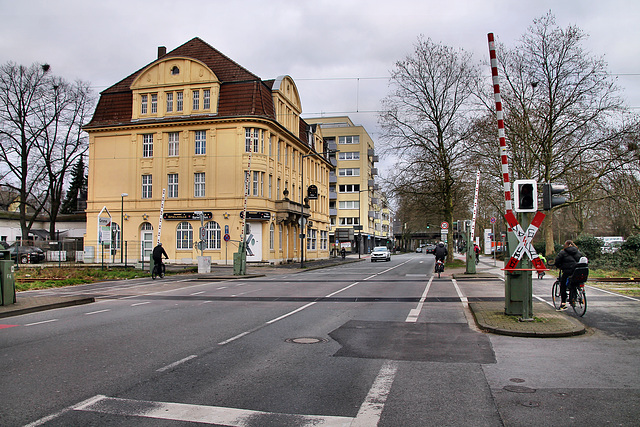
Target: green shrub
[(632, 244), (589, 246)]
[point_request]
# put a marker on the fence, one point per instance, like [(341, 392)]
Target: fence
[(77, 251)]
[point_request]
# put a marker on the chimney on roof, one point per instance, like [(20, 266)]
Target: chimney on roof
[(162, 51)]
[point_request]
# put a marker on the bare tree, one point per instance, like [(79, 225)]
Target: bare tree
[(63, 142), (40, 136), (425, 125), (22, 97), (564, 119)]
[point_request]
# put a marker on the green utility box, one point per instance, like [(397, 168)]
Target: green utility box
[(151, 264), (7, 280)]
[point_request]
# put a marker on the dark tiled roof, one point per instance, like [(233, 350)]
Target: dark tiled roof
[(241, 92)]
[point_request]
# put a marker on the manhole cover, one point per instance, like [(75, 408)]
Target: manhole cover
[(305, 340), (519, 389)]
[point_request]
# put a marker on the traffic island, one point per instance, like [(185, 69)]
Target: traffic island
[(546, 322)]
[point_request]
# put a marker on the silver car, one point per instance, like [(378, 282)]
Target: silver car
[(380, 253)]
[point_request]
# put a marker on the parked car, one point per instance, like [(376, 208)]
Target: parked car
[(420, 249), (26, 254), (380, 252)]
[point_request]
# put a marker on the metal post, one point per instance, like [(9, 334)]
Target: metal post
[(122, 196), (125, 254)]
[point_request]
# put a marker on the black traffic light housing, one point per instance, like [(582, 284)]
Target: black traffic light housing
[(525, 195), (550, 197)]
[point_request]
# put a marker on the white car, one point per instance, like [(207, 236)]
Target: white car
[(380, 252)]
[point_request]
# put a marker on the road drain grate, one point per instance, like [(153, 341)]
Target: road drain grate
[(306, 340)]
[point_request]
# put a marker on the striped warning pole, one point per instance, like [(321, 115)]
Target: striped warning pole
[(501, 134)]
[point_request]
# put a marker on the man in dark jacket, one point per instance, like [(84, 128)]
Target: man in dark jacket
[(157, 253), (440, 252), (566, 261)]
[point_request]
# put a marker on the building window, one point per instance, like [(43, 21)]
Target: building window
[(206, 99), (212, 231), (172, 185), (184, 236), (252, 140), (278, 152), (324, 240), (349, 221), (286, 155), (179, 101), (147, 145), (349, 172), (312, 240), (147, 186), (280, 233), (270, 185), (143, 104), (201, 142), (174, 144), (196, 99), (154, 103), (278, 189), (272, 235), (349, 155), (198, 184), (349, 139), (255, 186), (349, 188), (169, 102), (349, 204)]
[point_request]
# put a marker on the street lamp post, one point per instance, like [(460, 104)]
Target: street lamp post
[(122, 196)]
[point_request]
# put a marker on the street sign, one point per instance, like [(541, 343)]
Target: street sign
[(444, 225), (227, 237), (493, 220)]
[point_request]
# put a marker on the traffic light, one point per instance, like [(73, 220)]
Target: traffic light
[(526, 195), (549, 198)]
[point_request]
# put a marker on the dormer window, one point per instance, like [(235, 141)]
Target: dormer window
[(175, 71)]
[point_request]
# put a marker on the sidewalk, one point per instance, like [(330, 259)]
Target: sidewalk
[(489, 315)]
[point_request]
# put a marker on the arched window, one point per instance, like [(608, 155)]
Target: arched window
[(212, 238), (146, 240), (272, 236), (184, 236)]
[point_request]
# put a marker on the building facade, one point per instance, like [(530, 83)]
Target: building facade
[(181, 148), (358, 210)]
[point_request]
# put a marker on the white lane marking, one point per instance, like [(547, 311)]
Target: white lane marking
[(221, 287), (140, 303), (174, 364), (414, 313), (60, 413), (40, 323), (97, 312), (612, 293), (464, 299), (299, 309), (201, 413), (197, 293), (373, 405)]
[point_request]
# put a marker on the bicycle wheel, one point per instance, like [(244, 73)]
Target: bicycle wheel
[(154, 270), (580, 303), (162, 270), (555, 294)]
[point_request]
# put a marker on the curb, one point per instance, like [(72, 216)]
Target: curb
[(32, 305)]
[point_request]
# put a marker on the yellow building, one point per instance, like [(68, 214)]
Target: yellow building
[(359, 213), (185, 135)]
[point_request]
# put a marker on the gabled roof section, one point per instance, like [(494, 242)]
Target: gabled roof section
[(224, 68)]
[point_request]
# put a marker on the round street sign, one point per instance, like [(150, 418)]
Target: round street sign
[(227, 237), (444, 225), (493, 220)]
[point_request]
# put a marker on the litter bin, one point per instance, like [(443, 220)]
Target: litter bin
[(7, 280)]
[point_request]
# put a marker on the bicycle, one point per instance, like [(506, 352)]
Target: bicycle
[(439, 267), (158, 270), (577, 294)]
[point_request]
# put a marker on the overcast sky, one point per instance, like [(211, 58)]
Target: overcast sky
[(339, 52)]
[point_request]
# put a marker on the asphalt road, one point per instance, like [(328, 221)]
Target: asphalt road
[(360, 344)]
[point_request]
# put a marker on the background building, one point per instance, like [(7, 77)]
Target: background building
[(182, 136), (359, 211)]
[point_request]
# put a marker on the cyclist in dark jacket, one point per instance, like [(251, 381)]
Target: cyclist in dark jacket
[(440, 252), (157, 253), (566, 261)]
